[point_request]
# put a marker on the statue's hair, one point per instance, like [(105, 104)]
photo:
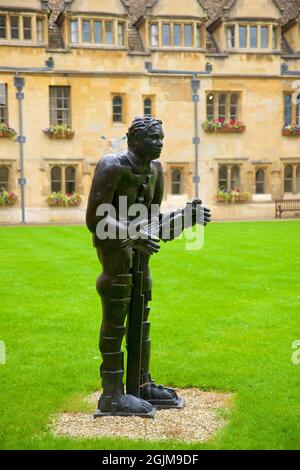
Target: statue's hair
[(140, 127)]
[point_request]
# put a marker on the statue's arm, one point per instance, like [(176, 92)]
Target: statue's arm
[(105, 182), (172, 224)]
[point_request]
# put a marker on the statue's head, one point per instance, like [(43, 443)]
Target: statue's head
[(145, 137)]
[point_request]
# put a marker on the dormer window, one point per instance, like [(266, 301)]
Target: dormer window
[(15, 28), (180, 34), (101, 32), (252, 36)]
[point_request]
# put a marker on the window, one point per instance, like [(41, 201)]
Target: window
[(27, 27), (275, 37), (222, 107), (198, 36), (234, 106), (70, 180), (117, 109), (253, 36), (56, 179), (166, 35), (264, 37), (287, 110), (121, 34), (109, 36), (292, 178), (3, 103), (260, 181), (40, 30), (177, 35), (147, 107), (63, 179), (210, 104), (154, 35), (229, 177), (243, 36), (188, 35), (2, 27), (60, 112), (235, 177), (298, 111), (176, 182), (4, 178), (223, 182), (288, 179), (230, 37), (14, 27), (298, 179), (74, 31), (86, 31), (98, 34)]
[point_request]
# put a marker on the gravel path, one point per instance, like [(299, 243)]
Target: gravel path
[(197, 421)]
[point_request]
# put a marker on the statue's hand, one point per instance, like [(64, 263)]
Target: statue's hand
[(200, 215), (148, 246)]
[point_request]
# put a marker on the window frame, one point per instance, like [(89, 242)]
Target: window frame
[(54, 120), (229, 179), (120, 105), (262, 182), (294, 179), (149, 106), (215, 105), (177, 183), (5, 184), (3, 28), (4, 108), (230, 28), (11, 27), (63, 177), (24, 28)]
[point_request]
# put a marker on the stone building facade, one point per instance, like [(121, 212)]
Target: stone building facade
[(118, 59)]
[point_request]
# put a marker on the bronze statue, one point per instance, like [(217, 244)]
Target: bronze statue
[(125, 283)]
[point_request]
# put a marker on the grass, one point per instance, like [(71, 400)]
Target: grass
[(223, 318)]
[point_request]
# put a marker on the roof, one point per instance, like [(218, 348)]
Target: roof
[(214, 7)]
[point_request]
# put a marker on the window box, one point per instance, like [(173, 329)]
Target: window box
[(7, 198), (291, 130), (233, 197), (217, 125), (7, 131), (64, 200), (61, 131)]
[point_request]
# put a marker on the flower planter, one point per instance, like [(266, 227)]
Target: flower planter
[(9, 134), (60, 135), (238, 130), (235, 197), (7, 199), (290, 132), (62, 200)]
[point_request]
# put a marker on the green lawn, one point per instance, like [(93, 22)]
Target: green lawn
[(223, 318)]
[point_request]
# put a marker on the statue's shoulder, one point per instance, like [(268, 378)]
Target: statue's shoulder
[(112, 162)]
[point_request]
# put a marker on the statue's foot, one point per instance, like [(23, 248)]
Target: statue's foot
[(124, 405), (160, 396)]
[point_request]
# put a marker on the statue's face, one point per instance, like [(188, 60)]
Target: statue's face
[(151, 145)]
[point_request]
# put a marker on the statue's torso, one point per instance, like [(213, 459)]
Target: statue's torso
[(131, 183)]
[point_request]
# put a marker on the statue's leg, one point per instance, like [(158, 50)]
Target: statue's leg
[(158, 395), (114, 287)]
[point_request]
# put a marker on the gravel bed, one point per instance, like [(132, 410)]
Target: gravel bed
[(197, 421)]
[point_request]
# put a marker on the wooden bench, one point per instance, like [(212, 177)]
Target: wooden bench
[(282, 205)]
